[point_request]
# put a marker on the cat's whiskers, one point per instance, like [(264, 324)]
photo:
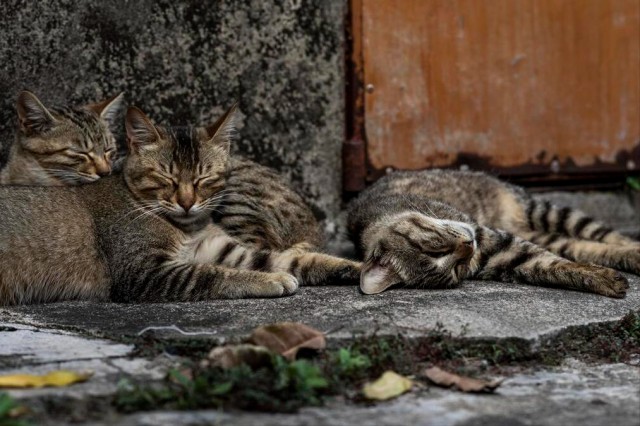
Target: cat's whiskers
[(145, 213), (50, 171), (143, 206), (223, 193), (216, 198), (68, 177)]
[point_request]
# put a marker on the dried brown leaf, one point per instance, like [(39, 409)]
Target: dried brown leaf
[(462, 383), (234, 355), (287, 338)]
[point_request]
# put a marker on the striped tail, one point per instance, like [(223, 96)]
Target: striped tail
[(542, 216)]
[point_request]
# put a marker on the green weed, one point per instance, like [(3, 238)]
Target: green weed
[(282, 386), (634, 182), (9, 411)]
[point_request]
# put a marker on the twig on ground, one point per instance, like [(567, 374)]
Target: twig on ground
[(174, 327)]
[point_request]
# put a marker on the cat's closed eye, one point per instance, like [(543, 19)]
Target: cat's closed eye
[(79, 157), (209, 182), (438, 254), (164, 180), (111, 154)]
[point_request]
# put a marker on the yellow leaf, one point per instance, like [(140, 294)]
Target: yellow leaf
[(388, 386), (55, 378)]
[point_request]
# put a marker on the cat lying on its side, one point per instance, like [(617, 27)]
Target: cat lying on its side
[(436, 228)]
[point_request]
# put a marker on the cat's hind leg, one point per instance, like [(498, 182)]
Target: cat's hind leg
[(502, 256)]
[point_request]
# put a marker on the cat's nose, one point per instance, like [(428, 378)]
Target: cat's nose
[(465, 249), (102, 167), (186, 198), (186, 203)]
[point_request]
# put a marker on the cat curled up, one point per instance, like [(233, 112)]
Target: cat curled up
[(54, 146), (146, 235), (435, 228), (61, 146)]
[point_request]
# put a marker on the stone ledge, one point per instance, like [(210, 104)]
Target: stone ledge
[(481, 309)]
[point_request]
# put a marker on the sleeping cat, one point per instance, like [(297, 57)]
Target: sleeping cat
[(145, 235), (70, 146), (436, 228), (61, 146)]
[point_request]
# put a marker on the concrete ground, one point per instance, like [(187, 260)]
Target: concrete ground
[(88, 336), (480, 308), (62, 336), (574, 394)]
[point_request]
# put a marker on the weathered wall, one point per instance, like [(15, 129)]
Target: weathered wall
[(184, 61)]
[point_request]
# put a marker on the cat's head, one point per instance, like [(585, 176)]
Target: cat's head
[(417, 250), (178, 172), (71, 145)]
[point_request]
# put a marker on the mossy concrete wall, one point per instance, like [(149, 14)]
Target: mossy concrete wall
[(185, 61)]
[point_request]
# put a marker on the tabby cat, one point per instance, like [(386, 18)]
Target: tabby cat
[(61, 146), (436, 228), (146, 235)]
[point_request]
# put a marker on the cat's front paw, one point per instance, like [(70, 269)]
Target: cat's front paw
[(347, 273), (280, 284), (607, 282)]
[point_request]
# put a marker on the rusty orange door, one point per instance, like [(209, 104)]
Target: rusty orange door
[(520, 87)]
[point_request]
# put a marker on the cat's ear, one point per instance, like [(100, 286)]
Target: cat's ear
[(108, 109), (224, 130), (33, 116), (141, 133), (376, 278)]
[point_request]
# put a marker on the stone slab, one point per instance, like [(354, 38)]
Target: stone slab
[(30, 350), (35, 346), (477, 308)]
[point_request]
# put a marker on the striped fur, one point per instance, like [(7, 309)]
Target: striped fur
[(435, 228), (215, 246), (61, 146), (573, 226), (260, 209), (147, 236)]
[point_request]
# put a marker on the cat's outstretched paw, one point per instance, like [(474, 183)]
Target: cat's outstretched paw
[(347, 273), (280, 284), (607, 282)]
